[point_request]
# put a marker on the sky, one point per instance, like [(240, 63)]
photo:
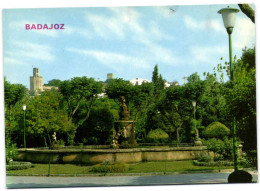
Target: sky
[(125, 41)]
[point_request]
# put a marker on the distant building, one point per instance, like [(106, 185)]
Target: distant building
[(110, 76), (36, 83), (168, 84), (138, 81)]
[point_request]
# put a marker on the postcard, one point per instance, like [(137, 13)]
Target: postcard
[(130, 96)]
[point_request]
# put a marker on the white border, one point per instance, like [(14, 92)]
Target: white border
[(105, 3)]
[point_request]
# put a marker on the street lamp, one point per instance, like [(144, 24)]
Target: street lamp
[(197, 139), (229, 18), (24, 139)]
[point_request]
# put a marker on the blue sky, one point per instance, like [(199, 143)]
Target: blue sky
[(125, 41)]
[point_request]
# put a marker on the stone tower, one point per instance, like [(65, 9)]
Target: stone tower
[(110, 76), (36, 81)]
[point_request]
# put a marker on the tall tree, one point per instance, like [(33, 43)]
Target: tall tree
[(12, 94), (46, 116), (80, 91)]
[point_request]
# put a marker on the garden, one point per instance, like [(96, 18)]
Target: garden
[(151, 115)]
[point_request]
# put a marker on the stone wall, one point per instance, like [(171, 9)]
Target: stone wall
[(95, 156)]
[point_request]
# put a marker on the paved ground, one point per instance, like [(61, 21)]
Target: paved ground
[(50, 182)]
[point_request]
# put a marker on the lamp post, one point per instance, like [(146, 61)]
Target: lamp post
[(229, 18), (24, 137), (197, 139)]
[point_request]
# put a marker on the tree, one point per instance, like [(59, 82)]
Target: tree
[(98, 128), (54, 82), (155, 76), (80, 91), (158, 82), (121, 92), (248, 11), (44, 116), (13, 93)]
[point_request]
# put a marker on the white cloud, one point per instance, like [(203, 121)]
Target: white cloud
[(113, 60), (69, 30), (106, 26), (23, 50), (206, 53), (156, 33), (244, 33), (159, 54), (195, 25), (8, 60)]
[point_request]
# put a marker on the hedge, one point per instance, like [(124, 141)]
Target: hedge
[(18, 165)]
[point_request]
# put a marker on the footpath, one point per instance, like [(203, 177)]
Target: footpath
[(94, 181)]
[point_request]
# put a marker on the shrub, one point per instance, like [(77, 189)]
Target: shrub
[(18, 165), (216, 130), (109, 168), (240, 176), (250, 159), (212, 164), (221, 147), (126, 145), (60, 143), (157, 135), (204, 157), (10, 150)]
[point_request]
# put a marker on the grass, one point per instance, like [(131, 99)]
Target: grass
[(144, 167)]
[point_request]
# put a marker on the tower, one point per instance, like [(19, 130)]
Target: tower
[(36, 81), (110, 76)]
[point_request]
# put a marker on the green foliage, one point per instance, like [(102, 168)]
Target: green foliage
[(13, 93), (118, 88), (80, 92), (240, 176), (216, 130), (158, 82), (98, 128), (10, 150), (250, 159), (211, 164), (54, 82), (157, 135), (18, 165), (221, 147), (204, 157), (110, 168), (44, 116), (60, 143)]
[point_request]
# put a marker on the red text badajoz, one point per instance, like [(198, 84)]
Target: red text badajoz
[(44, 26)]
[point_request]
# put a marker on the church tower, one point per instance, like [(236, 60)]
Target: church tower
[(36, 81)]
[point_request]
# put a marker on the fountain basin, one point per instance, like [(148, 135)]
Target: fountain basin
[(95, 156)]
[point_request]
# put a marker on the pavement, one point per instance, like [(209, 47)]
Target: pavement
[(55, 182)]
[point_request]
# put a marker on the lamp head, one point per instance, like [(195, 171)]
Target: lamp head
[(229, 18), (194, 103), (24, 107)]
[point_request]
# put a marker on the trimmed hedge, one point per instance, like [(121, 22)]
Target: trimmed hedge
[(212, 164), (157, 135), (216, 130), (110, 168), (18, 165)]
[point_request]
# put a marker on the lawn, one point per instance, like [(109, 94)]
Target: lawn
[(144, 167)]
